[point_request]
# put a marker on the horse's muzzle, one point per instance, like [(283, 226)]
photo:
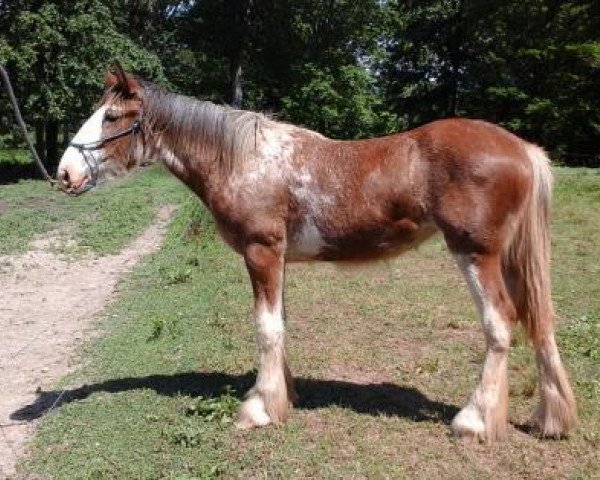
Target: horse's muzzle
[(67, 185)]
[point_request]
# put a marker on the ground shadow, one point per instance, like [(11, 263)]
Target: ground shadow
[(371, 399), (13, 172)]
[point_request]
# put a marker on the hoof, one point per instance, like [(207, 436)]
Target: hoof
[(544, 426), (252, 414), (468, 426)]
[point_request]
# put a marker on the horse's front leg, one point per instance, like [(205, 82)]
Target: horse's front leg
[(268, 401)]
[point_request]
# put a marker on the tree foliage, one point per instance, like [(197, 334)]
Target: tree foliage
[(348, 69), (57, 53), (530, 66)]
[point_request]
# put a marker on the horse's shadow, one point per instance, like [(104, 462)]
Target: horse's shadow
[(371, 399)]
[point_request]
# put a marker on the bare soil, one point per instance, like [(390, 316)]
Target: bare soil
[(47, 306)]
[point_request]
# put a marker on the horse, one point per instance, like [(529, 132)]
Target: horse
[(281, 193)]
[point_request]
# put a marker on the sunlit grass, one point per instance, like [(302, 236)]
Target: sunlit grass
[(102, 220), (384, 357)]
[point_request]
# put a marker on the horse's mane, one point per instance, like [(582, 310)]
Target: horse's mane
[(201, 129)]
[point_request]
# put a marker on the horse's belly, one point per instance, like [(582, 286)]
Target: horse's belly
[(312, 242)]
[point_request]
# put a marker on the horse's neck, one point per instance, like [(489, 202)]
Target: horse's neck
[(208, 156), (194, 172), (202, 143)]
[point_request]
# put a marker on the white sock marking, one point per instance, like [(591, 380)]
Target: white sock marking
[(488, 391)]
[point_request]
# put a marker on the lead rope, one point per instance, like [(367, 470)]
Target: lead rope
[(15, 107)]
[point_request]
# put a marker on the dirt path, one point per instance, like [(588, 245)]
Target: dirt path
[(46, 306)]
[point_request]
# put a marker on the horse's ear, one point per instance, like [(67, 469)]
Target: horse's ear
[(133, 86), (122, 78), (126, 83), (110, 80)]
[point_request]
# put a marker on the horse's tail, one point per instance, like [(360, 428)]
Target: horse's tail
[(527, 268), (527, 258)]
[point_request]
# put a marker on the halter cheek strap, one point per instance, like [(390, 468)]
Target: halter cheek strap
[(91, 160)]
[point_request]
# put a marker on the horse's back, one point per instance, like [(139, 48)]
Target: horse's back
[(469, 139)]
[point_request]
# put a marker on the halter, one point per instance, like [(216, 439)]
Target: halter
[(92, 162)]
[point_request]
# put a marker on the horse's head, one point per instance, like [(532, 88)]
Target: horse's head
[(111, 141)]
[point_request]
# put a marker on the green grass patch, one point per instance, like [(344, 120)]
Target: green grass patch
[(14, 156), (101, 221), (383, 356)]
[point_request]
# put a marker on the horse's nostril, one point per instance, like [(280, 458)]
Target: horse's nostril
[(63, 177)]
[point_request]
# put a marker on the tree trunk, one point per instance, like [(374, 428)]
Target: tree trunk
[(40, 140), (240, 11), (453, 104), (65, 135), (237, 89), (51, 145), (456, 57)]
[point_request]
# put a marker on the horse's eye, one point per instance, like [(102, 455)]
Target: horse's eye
[(110, 117)]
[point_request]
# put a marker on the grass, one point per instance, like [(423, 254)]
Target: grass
[(383, 356), (101, 221), (14, 156)]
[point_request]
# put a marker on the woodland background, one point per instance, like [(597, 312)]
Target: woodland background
[(347, 68)]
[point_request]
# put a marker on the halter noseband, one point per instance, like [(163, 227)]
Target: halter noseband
[(86, 148)]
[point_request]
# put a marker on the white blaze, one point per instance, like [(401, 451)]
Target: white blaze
[(72, 160)]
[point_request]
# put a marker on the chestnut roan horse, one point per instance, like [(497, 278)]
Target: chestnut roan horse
[(281, 193)]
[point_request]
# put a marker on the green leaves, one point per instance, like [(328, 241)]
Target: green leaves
[(345, 68), (221, 409), (530, 66), (59, 51), (344, 102)]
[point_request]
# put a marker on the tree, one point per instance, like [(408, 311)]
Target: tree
[(56, 53), (291, 57), (346, 68), (429, 51), (221, 27), (539, 74), (530, 66), (342, 101)]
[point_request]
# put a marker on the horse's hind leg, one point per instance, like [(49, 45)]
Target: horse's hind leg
[(485, 416), (268, 401), (556, 414)]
